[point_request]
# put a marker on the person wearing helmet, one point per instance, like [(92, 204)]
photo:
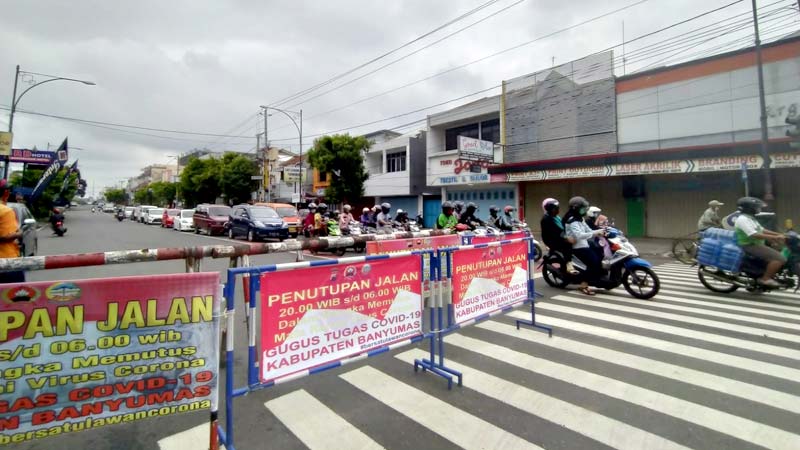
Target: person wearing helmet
[(506, 221), (493, 218), (591, 217), (447, 219), (577, 229), (332, 223), (752, 237), (384, 218), (554, 234), (458, 208), (366, 218), (308, 220), (710, 218), (345, 218), (401, 219), (469, 218), (320, 221)]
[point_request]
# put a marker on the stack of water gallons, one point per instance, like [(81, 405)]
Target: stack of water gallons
[(719, 249)]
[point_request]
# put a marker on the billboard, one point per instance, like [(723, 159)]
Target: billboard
[(23, 155), (475, 149)]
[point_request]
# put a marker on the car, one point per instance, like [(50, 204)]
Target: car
[(153, 216), (289, 215), (184, 221), (211, 219), (256, 222), (29, 244), (129, 212), (168, 218), (138, 213), (109, 208)]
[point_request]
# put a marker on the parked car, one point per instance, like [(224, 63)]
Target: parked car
[(129, 212), (29, 244), (109, 208), (184, 221), (168, 218), (153, 216), (140, 211), (289, 215), (211, 219), (256, 223)]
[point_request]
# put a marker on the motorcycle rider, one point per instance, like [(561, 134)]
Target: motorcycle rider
[(345, 218), (55, 217), (591, 217), (320, 220), (459, 208), (493, 218), (506, 221), (447, 219), (577, 229), (308, 220), (366, 218), (401, 217), (752, 237), (710, 218), (469, 218), (332, 223), (384, 218), (554, 234)]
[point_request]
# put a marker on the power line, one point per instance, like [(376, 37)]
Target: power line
[(417, 39)]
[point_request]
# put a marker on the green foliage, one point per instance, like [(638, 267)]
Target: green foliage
[(51, 195), (116, 196), (344, 154), (163, 192), (235, 182), (200, 181)]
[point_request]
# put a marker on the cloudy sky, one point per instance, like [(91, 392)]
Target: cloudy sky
[(205, 66)]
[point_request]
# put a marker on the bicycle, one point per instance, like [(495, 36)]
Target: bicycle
[(684, 249)]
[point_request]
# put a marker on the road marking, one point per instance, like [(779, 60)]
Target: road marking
[(728, 386), (676, 330), (741, 428), (724, 359), (315, 424), (455, 425), (729, 304), (581, 420), (197, 437), (678, 273)]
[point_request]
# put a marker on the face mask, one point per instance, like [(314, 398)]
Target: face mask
[(582, 211)]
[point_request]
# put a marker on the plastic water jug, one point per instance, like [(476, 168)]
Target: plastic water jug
[(730, 257), (709, 252)]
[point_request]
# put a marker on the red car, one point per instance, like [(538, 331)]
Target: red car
[(168, 218)]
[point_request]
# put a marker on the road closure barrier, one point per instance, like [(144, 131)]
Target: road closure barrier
[(319, 315)]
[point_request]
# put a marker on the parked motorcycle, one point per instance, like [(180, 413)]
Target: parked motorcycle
[(723, 266), (622, 266)]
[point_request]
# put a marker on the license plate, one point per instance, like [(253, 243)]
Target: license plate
[(293, 229)]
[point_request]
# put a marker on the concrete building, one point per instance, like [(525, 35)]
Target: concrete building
[(396, 167)]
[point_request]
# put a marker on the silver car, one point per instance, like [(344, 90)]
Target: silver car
[(29, 244)]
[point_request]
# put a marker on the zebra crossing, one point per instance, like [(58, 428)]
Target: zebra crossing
[(688, 369)]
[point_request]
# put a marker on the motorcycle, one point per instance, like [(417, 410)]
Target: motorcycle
[(723, 267), (93, 210), (354, 229), (405, 227), (621, 264), (120, 216), (58, 228)]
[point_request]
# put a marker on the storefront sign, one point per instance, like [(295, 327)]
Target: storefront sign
[(21, 155), (337, 312), (488, 279), (475, 149), (6, 138), (699, 165), (82, 354), (450, 170)]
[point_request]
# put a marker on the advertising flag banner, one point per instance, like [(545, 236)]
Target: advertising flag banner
[(502, 237), (489, 279), (336, 312), (82, 354)]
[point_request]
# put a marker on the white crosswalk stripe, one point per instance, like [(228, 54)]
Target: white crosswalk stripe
[(687, 369)]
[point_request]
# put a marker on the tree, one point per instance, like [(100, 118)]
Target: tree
[(163, 192), (235, 180), (342, 156), (200, 181), (52, 193), (116, 196), (143, 196)]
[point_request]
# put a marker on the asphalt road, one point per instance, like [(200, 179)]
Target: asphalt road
[(688, 369)]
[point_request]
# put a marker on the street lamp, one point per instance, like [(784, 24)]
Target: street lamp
[(288, 114), (15, 99)]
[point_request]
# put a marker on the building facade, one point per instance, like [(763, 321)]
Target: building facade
[(396, 167)]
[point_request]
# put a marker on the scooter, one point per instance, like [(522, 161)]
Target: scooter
[(354, 229), (731, 268), (120, 216), (58, 228), (622, 266)]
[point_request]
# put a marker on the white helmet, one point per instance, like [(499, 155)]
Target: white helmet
[(400, 211), (346, 208), (593, 211), (365, 210)]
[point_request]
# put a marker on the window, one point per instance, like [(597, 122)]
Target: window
[(481, 195), (451, 135), (503, 195), (495, 195), (323, 177), (396, 162), (490, 130)]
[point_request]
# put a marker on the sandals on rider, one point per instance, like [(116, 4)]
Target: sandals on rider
[(586, 291)]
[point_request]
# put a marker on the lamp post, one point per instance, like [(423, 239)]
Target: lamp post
[(15, 99), (299, 127), (177, 176)]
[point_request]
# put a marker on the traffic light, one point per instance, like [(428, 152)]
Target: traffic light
[(794, 134)]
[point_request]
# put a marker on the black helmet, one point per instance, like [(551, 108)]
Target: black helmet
[(494, 209), (385, 207), (335, 213), (577, 203), (447, 205), (322, 207), (459, 205), (472, 206), (750, 205)]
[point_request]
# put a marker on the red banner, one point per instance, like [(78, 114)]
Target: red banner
[(318, 315), (488, 279), (501, 237), (82, 354), (407, 245)]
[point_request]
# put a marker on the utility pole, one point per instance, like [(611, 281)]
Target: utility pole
[(768, 196), (302, 196), (267, 174)]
